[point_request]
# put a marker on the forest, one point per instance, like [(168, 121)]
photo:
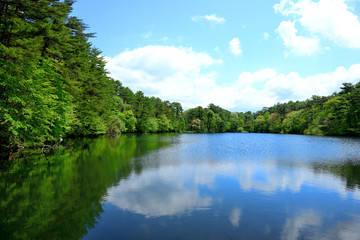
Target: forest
[(335, 115), (54, 85)]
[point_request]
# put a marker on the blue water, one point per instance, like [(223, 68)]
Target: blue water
[(238, 186), (185, 186)]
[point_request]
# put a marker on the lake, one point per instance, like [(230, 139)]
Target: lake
[(185, 186)]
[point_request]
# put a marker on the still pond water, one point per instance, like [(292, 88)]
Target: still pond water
[(186, 186)]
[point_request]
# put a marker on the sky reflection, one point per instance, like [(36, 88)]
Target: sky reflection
[(175, 190), (309, 224), (240, 186)]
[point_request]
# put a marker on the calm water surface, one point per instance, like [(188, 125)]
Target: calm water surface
[(187, 186)]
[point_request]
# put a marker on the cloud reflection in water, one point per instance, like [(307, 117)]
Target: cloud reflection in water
[(235, 216), (175, 189), (307, 224), (162, 192)]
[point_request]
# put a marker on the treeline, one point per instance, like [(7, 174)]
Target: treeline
[(336, 115), (54, 83)]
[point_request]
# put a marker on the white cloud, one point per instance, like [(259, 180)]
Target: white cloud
[(297, 45), (211, 18), (168, 72), (331, 19), (217, 50), (235, 46), (293, 86), (248, 78), (147, 35), (165, 39), (183, 75), (266, 36)]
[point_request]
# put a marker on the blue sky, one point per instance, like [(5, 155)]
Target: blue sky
[(240, 55)]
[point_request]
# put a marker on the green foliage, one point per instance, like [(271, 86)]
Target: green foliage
[(212, 119), (54, 83), (294, 122), (149, 125), (338, 114), (34, 103), (130, 121), (274, 121), (165, 124), (261, 124), (195, 125)]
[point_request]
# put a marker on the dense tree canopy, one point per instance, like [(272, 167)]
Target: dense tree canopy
[(54, 83), (338, 114)]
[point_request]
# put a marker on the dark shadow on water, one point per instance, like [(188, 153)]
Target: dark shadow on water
[(349, 171), (59, 195)]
